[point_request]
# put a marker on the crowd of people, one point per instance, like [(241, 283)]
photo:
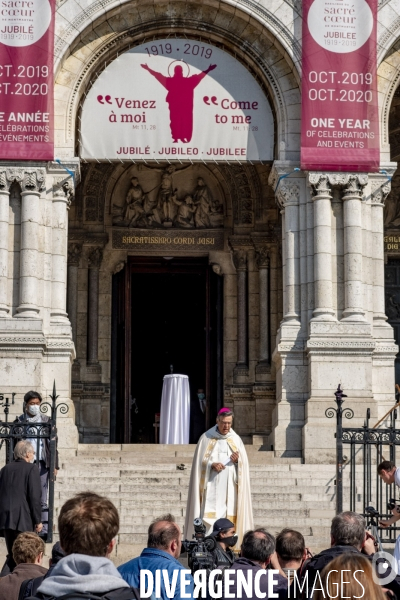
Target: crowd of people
[(238, 561), (80, 565)]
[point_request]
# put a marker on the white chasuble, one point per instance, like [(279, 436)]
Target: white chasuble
[(226, 494)]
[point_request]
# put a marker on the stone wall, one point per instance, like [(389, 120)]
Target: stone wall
[(248, 261)]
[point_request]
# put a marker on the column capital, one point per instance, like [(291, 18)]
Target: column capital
[(354, 185), (240, 260), (262, 257), (30, 179), (287, 194), (94, 257), (380, 190), (320, 185), (74, 254), (63, 190)]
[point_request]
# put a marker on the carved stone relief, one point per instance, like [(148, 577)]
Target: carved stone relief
[(242, 196), (169, 197), (94, 191)]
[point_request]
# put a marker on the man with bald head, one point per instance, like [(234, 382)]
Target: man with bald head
[(163, 550)]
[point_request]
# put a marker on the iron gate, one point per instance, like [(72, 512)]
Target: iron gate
[(358, 454), (12, 432)]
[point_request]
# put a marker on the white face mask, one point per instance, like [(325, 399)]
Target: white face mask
[(34, 410)]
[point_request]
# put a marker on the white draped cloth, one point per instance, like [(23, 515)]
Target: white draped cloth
[(226, 494), (175, 410)]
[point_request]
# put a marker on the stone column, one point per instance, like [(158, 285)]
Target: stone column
[(240, 262), (60, 206), (274, 292), (353, 257), (4, 217), (310, 257), (323, 310), (32, 184), (264, 360), (288, 197), (74, 256), (95, 256), (380, 191)]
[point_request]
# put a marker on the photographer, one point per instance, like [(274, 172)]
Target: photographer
[(225, 536), (389, 474)]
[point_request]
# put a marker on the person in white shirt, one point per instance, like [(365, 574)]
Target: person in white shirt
[(389, 474)]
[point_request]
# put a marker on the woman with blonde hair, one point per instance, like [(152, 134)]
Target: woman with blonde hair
[(348, 576)]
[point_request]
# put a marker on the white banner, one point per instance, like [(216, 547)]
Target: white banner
[(177, 99)]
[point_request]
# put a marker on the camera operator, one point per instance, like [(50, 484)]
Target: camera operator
[(225, 536), (390, 474)]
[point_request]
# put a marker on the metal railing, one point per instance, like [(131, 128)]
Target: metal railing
[(11, 432), (368, 446)]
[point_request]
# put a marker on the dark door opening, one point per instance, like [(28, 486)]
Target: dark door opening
[(392, 304), (165, 312)]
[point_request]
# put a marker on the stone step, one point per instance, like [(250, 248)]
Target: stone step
[(143, 482), (133, 512), (81, 470)]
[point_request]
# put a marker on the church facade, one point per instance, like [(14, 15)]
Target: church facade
[(266, 284)]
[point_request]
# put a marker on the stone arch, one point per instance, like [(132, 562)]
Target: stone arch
[(248, 39), (388, 82)]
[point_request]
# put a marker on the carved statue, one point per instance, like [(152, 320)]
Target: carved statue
[(151, 210), (161, 206), (167, 194), (184, 216), (203, 202), (133, 210), (392, 307)]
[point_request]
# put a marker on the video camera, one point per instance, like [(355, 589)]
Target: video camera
[(371, 511), (199, 550), (392, 504)]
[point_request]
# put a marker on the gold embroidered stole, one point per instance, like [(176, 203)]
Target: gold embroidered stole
[(204, 464)]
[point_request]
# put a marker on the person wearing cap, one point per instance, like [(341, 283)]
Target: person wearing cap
[(219, 485), (224, 534)]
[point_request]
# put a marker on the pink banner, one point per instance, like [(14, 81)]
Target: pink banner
[(339, 126), (26, 79)]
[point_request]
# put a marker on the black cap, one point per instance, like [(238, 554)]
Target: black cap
[(221, 525)]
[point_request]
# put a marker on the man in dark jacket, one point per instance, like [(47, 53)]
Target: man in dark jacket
[(225, 535), (32, 414), (28, 553), (20, 507), (348, 535), (255, 554)]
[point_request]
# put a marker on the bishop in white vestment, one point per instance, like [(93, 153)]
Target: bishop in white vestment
[(220, 480)]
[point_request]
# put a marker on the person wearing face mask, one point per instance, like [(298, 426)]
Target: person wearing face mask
[(226, 538), (32, 414), (202, 399)]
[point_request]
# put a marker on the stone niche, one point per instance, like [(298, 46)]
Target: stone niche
[(187, 197)]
